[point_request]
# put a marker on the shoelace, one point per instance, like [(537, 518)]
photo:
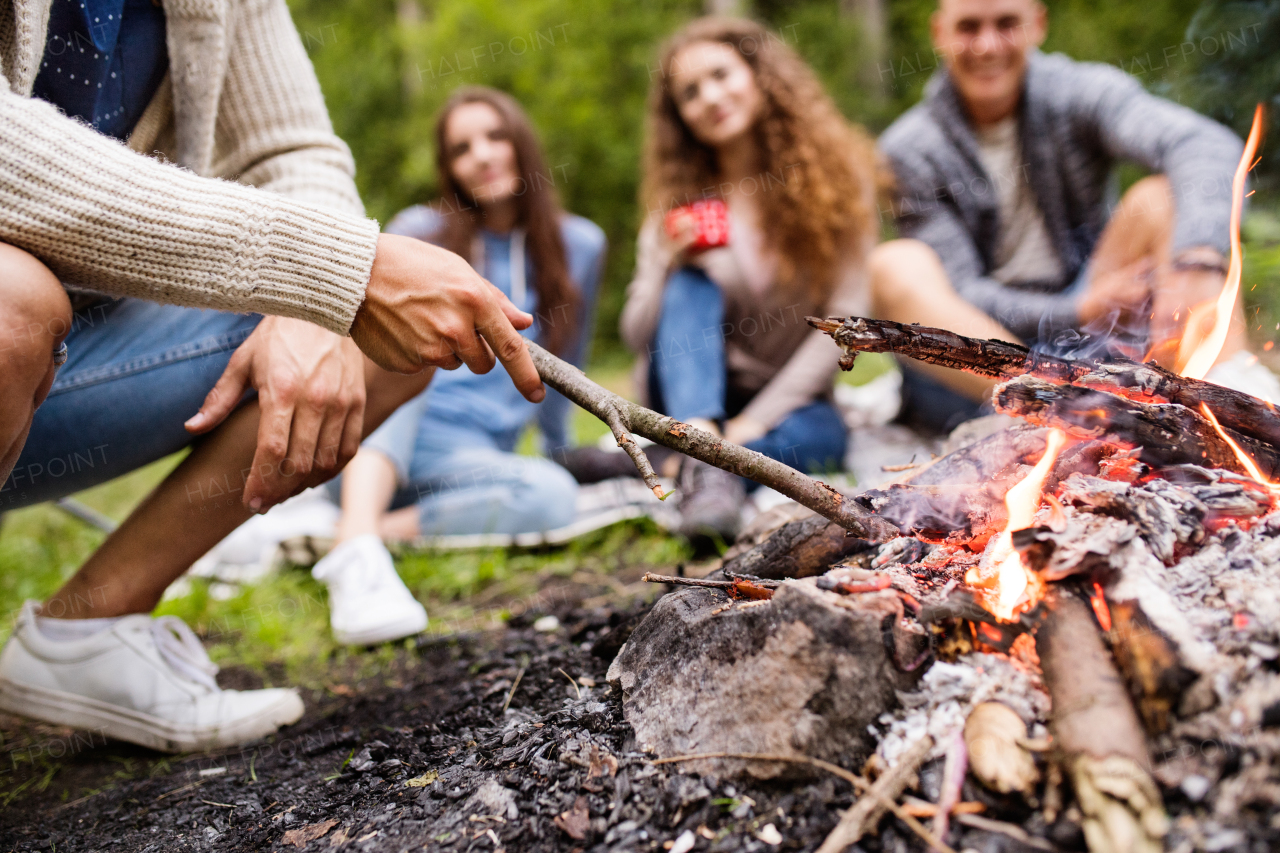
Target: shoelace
[(181, 649)]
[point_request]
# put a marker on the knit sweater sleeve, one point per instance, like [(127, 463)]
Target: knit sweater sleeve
[(273, 130), (640, 314), (107, 218), (1195, 153), (925, 212)]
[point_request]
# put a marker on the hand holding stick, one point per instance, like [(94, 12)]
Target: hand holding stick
[(625, 417)]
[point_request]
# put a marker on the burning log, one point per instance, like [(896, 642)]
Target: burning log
[(1168, 434), (1003, 361), (625, 417), (1097, 734), (809, 546), (798, 549), (1156, 677)]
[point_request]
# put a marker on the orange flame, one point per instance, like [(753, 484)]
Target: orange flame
[(1250, 467), (1011, 577), (1197, 351)]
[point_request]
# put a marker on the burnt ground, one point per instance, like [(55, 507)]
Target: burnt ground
[(424, 757)]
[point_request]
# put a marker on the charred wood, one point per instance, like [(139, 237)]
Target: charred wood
[(1166, 433), (1150, 665), (809, 546), (798, 549), (1097, 735), (1001, 360)]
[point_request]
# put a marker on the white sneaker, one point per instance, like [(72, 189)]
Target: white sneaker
[(368, 603), (1243, 372), (143, 680)]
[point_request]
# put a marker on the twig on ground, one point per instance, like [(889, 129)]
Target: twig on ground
[(625, 417), (1011, 830), (650, 577), (576, 689), (865, 813), (512, 691), (879, 796)]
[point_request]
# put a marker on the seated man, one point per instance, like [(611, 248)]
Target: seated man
[(1003, 172), (256, 213)]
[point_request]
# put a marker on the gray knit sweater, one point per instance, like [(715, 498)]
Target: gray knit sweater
[(1077, 119)]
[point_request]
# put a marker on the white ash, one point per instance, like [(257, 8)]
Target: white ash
[(949, 691)]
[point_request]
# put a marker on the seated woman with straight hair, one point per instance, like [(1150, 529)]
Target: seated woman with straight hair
[(737, 119), (445, 463)]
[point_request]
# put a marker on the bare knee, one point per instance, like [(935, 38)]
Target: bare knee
[(1150, 200), (901, 269), (35, 314)]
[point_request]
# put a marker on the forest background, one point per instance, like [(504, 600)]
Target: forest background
[(583, 69)]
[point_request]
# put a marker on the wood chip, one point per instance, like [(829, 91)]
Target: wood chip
[(422, 781), (302, 836), (576, 821)]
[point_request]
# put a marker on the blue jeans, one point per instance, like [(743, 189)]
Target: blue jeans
[(688, 378), (466, 481), (135, 372)]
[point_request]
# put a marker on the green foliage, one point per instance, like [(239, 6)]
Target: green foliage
[(1237, 66), (582, 68)]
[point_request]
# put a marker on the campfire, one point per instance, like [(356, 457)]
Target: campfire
[(1079, 611)]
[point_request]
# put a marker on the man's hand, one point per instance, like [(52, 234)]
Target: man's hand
[(310, 385), (427, 306), (1120, 294)]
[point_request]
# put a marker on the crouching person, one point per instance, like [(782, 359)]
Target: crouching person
[(141, 303), (1003, 174)]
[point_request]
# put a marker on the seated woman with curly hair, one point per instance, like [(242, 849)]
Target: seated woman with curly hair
[(737, 118)]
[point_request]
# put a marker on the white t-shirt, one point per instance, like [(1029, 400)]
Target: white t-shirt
[(1024, 251)]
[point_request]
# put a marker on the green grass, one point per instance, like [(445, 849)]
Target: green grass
[(279, 627)]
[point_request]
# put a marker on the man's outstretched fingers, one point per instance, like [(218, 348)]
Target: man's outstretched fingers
[(510, 349)]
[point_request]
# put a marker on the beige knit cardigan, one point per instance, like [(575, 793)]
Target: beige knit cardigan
[(240, 112)]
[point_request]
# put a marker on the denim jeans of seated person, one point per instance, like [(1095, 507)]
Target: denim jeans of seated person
[(466, 481), (688, 379), (135, 372)]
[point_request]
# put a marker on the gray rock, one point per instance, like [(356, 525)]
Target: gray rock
[(804, 674)]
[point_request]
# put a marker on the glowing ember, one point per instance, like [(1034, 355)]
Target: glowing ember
[(1011, 578), (1098, 601), (1198, 351)]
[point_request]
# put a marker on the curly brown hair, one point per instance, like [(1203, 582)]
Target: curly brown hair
[(818, 176)]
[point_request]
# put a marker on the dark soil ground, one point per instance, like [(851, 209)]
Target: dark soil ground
[(503, 741)]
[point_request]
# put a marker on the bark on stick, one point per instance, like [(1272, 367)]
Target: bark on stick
[(1133, 380), (625, 417)]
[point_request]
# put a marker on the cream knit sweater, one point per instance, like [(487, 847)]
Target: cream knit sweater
[(241, 112)]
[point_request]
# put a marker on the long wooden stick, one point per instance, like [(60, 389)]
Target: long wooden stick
[(625, 417), (1143, 382)]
